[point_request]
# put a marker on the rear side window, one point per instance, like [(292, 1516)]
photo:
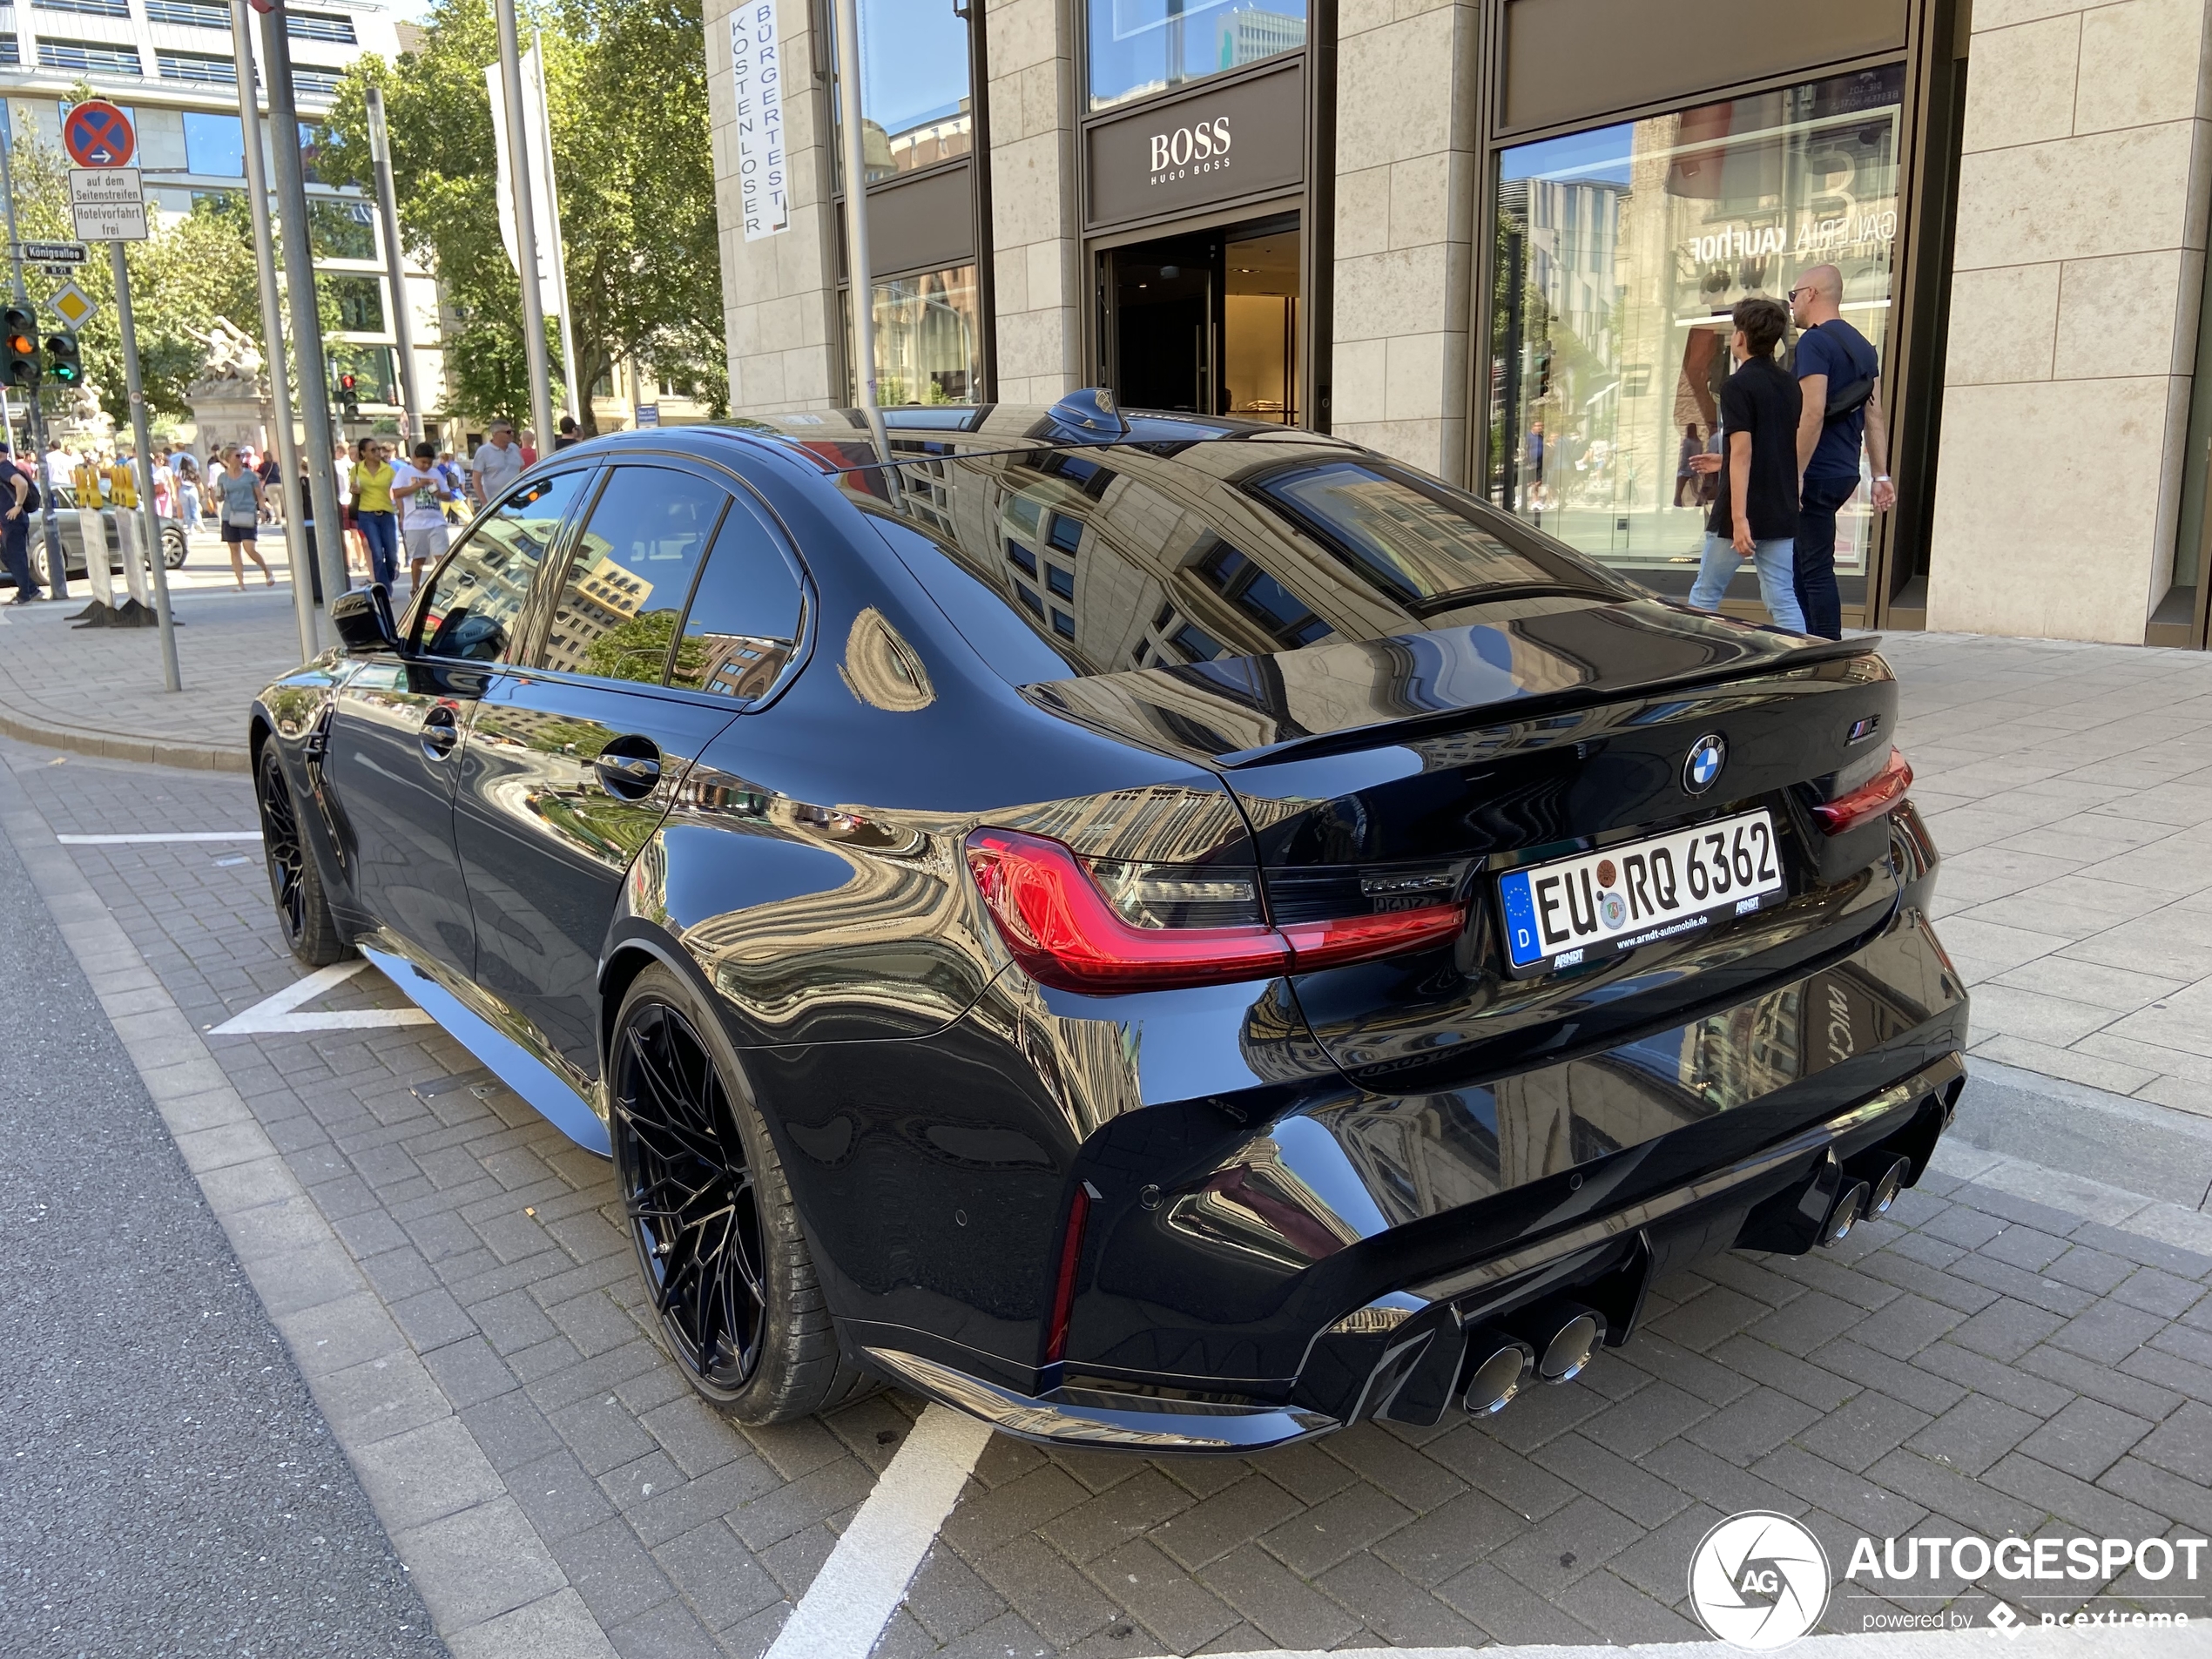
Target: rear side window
[(630, 574), (473, 600), (743, 625)]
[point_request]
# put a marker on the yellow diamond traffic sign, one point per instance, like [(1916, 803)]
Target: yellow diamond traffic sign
[(72, 304)]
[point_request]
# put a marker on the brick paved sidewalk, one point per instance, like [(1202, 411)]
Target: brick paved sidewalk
[(1984, 1363)]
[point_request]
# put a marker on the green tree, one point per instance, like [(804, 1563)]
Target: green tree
[(626, 81)]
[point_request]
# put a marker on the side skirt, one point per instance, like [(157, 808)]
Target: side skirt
[(548, 1093)]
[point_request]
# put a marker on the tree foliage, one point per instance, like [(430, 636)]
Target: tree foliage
[(626, 83)]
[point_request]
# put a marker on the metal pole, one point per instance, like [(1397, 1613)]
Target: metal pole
[(257, 195), (861, 288), (560, 253), (34, 417), (388, 206), (144, 441), (300, 292), (518, 162)]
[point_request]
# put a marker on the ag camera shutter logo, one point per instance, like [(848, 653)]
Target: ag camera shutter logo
[(1759, 1580)]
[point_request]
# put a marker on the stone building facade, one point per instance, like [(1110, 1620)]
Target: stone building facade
[(1498, 239)]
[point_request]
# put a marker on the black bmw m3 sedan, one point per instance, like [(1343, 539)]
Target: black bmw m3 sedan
[(1157, 932)]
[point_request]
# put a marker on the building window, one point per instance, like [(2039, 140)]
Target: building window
[(194, 14), (318, 25), (359, 302), (375, 374), (214, 144), (315, 82), (89, 56), (916, 109), (196, 66), (88, 8), (1138, 47), (927, 335), (342, 230), (1621, 251), (10, 51)]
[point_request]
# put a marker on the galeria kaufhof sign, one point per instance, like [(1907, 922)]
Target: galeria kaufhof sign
[(1214, 145)]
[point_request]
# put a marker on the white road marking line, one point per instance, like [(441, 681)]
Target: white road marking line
[(2025, 1642), (861, 1585), (156, 840), (274, 1014)]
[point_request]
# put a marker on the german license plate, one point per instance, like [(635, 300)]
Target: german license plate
[(1595, 905)]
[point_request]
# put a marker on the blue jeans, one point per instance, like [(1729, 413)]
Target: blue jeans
[(15, 552), (1773, 561), (381, 532), (1823, 605)]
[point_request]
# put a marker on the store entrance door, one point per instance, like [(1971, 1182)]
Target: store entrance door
[(1207, 322)]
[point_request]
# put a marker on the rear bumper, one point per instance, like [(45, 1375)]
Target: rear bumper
[(1400, 1353)]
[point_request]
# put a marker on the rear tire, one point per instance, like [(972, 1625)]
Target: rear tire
[(725, 1264), (295, 883)]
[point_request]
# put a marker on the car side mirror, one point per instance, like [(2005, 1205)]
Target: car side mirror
[(363, 619)]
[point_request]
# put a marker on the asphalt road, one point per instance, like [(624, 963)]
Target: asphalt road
[(166, 1484)]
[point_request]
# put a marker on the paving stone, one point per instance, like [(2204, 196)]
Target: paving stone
[(1864, 1428), (2095, 1510), (1654, 1414), (1605, 1602), (2085, 1439), (1116, 1515), (2107, 1332), (1160, 1595), (2005, 1330), (1276, 1601), (2121, 1385), (1450, 1538), (1643, 1497), (1061, 1604), (1498, 1472), (2155, 1291), (1406, 1472), (2183, 1444), (1578, 1539), (1510, 1611), (1974, 1433), (1754, 1426), (947, 1597), (1401, 1613), (1311, 1542)]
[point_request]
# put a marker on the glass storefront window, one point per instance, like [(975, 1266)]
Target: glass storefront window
[(928, 339), (1620, 252), (1144, 46), (914, 94)]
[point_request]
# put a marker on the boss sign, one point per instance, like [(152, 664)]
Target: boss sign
[(1202, 142)]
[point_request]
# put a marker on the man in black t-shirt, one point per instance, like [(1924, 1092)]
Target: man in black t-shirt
[(1755, 515)]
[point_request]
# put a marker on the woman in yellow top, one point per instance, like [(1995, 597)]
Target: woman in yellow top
[(372, 513)]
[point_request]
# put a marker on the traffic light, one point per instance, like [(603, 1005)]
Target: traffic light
[(19, 334), (349, 395), (64, 362)]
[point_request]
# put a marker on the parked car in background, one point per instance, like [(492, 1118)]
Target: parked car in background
[(1162, 933), (176, 547)]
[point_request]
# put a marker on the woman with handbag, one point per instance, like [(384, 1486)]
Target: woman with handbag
[(239, 491)]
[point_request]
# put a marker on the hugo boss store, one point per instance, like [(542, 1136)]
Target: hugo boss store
[(1500, 239)]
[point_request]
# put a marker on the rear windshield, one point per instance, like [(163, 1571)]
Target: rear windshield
[(1058, 564)]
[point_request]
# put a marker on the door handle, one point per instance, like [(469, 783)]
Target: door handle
[(440, 732), (633, 777)]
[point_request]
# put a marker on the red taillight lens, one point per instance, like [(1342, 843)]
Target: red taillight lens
[(1870, 799), (1049, 910), (1063, 1286)]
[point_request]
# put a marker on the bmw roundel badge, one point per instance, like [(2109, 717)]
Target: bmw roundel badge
[(1707, 756)]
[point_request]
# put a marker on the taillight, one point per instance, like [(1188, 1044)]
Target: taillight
[(1870, 799), (1107, 925)]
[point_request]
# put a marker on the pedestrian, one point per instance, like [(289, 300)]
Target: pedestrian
[(498, 462), (15, 530), (372, 513), (188, 493), (1755, 515), (272, 477), (1840, 374), (529, 441), (240, 492), (350, 545), (423, 487), (569, 433), (451, 469), (165, 484), (59, 461)]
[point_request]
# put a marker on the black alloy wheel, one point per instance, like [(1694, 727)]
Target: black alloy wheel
[(693, 1199), (295, 883)]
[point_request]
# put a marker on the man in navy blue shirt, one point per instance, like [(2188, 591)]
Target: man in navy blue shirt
[(1837, 370)]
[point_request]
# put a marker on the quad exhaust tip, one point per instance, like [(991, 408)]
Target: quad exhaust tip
[(1845, 1214), (1499, 1374), (1888, 1186)]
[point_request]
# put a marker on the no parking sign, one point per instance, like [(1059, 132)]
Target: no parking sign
[(97, 134)]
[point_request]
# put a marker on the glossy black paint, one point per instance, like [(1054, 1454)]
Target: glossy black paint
[(1265, 1159)]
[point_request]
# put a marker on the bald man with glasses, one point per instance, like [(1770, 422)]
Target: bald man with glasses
[(1839, 376)]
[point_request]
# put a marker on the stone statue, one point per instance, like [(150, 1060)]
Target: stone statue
[(84, 417), (234, 365)]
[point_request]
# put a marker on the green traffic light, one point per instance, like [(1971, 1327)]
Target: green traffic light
[(64, 360)]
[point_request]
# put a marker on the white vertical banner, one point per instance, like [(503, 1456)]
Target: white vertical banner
[(756, 74), (539, 140)]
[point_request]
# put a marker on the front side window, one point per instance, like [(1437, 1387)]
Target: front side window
[(470, 609), (743, 626), (1138, 47), (630, 574), (1622, 252)]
